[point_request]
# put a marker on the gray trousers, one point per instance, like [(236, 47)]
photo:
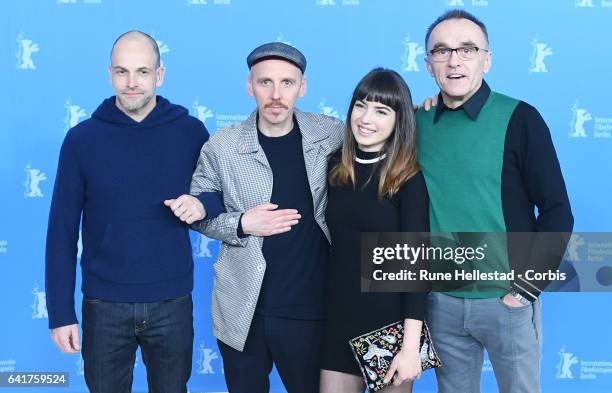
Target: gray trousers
[(462, 329)]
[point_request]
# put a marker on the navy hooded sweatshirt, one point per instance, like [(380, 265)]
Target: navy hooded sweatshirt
[(117, 172)]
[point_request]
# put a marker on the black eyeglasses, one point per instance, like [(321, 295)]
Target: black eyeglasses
[(464, 53)]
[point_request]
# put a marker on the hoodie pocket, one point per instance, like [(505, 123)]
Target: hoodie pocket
[(143, 251)]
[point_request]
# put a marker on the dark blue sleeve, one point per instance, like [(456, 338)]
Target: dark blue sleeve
[(532, 178), (542, 172), (62, 237), (213, 203)]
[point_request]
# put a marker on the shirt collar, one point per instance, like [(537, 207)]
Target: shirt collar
[(471, 107)]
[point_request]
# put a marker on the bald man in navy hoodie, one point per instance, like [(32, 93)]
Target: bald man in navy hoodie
[(123, 171)]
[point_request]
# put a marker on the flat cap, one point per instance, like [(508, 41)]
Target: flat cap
[(277, 50)]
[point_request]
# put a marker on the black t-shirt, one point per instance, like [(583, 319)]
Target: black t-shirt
[(296, 261)]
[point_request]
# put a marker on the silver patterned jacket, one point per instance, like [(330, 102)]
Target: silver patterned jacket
[(232, 162)]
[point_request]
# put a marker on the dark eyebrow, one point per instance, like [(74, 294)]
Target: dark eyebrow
[(463, 43), (124, 69), (439, 45), (377, 105)]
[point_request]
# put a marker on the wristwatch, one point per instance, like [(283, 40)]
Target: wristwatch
[(524, 301)]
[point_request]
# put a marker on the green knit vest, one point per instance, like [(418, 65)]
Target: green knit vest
[(462, 160)]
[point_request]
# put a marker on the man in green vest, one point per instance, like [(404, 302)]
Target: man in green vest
[(488, 161)]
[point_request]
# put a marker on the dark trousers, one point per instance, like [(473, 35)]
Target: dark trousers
[(112, 332), (292, 345)]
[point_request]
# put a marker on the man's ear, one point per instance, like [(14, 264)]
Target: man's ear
[(487, 63), (159, 76), (429, 66), (250, 85), (303, 86)]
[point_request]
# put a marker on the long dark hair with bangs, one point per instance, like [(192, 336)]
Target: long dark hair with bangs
[(388, 88)]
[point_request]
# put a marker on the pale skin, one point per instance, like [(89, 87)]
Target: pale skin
[(67, 338), (457, 78), (187, 208), (372, 124), (135, 75), (406, 365)]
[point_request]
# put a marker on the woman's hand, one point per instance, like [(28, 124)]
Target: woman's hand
[(407, 365), (407, 362)]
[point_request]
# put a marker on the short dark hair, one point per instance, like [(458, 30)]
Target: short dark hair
[(456, 14), (145, 35)]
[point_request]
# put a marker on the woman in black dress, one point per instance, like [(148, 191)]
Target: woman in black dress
[(375, 185)]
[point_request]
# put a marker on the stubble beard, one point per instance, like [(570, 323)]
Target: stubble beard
[(134, 106)]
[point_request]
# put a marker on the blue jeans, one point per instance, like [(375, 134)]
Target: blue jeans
[(112, 332), (462, 328)]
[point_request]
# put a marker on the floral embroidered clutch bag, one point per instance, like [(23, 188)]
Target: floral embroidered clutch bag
[(375, 350)]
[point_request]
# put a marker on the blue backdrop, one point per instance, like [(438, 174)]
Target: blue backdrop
[(554, 54)]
